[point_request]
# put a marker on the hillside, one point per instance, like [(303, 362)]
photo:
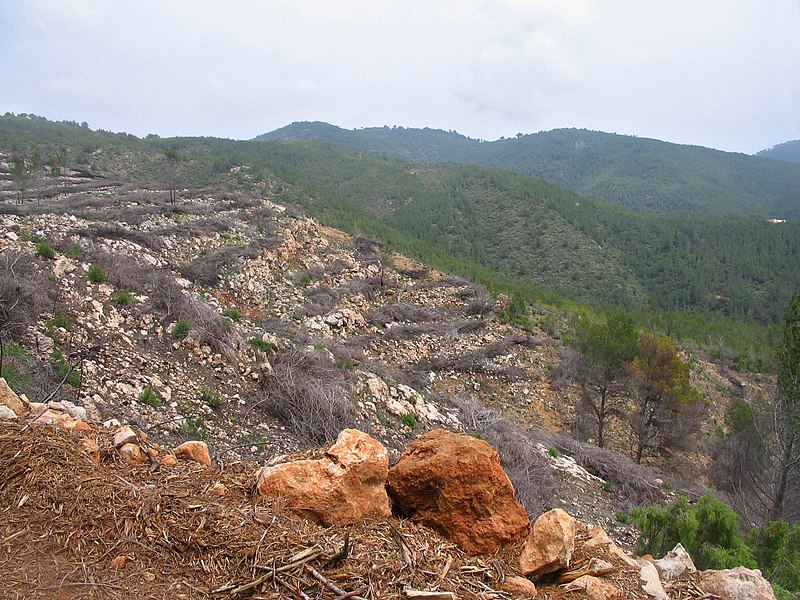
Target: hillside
[(232, 317), (642, 174), (787, 151)]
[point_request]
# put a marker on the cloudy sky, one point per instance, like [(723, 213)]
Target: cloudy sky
[(718, 73)]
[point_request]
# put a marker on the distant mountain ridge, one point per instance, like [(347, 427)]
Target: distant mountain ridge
[(787, 151), (646, 175)]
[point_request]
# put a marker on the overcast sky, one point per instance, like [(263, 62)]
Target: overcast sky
[(718, 73)]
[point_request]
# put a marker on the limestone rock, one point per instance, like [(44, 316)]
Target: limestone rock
[(341, 488), (518, 587), (454, 483), (736, 584), (6, 413), (599, 539), (676, 562), (593, 588), (10, 399), (651, 584), (194, 450), (124, 435), (62, 420), (550, 544)]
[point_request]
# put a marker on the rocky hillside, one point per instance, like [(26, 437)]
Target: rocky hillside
[(230, 319)]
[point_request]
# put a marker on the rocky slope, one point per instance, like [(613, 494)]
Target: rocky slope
[(232, 319)]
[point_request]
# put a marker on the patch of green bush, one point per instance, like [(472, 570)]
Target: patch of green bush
[(123, 298), (211, 397), (150, 397), (96, 274), (181, 329), (776, 548), (63, 369), (234, 314), (45, 250), (409, 420), (263, 345), (708, 529)]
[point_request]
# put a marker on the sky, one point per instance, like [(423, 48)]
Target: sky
[(718, 73)]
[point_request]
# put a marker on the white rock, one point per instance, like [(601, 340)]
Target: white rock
[(676, 562)]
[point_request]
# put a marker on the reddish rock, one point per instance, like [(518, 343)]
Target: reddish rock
[(133, 453), (194, 450), (518, 587), (550, 544), (219, 489), (454, 483), (92, 448), (593, 588), (169, 460), (736, 584), (347, 484), (63, 420)]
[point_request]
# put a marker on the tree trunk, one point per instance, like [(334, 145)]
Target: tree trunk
[(776, 512)]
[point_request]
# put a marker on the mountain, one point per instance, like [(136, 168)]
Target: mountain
[(787, 151), (642, 174)]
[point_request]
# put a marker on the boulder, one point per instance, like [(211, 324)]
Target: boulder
[(549, 546), (92, 448), (133, 453), (736, 584), (124, 435), (675, 564), (10, 399), (63, 420), (6, 414), (599, 539), (347, 484), (194, 450), (593, 588), (454, 483), (651, 584), (518, 587)]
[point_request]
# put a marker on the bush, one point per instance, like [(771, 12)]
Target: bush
[(45, 250), (263, 345), (181, 329), (311, 398), (234, 314), (709, 530), (409, 420), (211, 397), (193, 428), (63, 369), (96, 274), (150, 397), (123, 298), (776, 547)]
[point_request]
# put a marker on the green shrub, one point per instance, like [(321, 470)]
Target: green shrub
[(192, 428), (233, 314), (553, 452), (123, 298), (623, 517), (776, 547), (60, 320), (96, 274), (150, 397), (709, 530), (211, 397), (409, 420), (263, 345), (45, 250), (63, 369), (608, 486), (181, 329), (75, 250)]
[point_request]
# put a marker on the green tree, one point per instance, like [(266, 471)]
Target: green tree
[(787, 409), (667, 408), (604, 351)]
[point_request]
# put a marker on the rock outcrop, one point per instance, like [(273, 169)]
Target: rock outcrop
[(549, 546), (736, 584), (341, 488), (454, 483)]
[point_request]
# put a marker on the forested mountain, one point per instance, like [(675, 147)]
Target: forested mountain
[(787, 151), (643, 174), (512, 232)]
